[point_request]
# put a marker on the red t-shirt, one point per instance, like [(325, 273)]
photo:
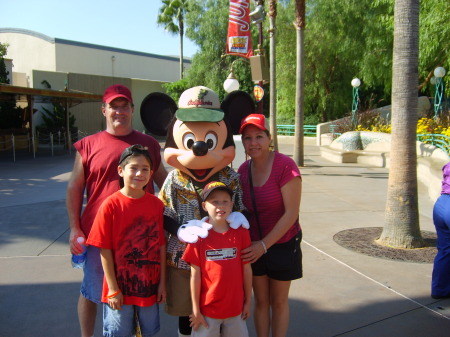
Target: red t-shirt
[(133, 230), (100, 154), (222, 282), (269, 200)]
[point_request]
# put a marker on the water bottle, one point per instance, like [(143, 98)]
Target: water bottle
[(78, 260)]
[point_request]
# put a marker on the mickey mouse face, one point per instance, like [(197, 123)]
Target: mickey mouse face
[(200, 149)]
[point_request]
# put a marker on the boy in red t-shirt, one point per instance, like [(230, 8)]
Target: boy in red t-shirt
[(128, 229), (221, 283)]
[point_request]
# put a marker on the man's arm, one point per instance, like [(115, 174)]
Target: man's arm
[(74, 203)]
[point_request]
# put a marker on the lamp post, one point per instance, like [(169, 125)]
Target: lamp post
[(257, 17), (356, 82), (439, 73), (231, 83)]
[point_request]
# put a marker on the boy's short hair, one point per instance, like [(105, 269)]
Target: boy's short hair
[(214, 186), (135, 151)]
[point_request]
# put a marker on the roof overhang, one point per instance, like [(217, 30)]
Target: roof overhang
[(47, 95)]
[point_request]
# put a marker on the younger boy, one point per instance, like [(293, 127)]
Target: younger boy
[(221, 283), (128, 229)]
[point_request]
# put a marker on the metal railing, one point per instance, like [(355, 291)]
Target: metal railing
[(289, 130), (438, 140), (40, 141)]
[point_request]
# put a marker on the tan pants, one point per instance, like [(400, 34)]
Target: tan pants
[(178, 292)]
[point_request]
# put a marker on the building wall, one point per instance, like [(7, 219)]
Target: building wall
[(114, 62), (29, 51), (89, 118), (88, 68)]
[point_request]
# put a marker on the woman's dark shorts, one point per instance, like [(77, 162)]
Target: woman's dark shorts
[(282, 262)]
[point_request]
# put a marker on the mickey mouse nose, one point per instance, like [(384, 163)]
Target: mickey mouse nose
[(200, 148)]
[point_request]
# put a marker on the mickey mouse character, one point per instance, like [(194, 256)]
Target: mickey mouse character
[(200, 147)]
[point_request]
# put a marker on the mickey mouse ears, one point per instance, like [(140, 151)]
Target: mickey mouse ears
[(158, 110)]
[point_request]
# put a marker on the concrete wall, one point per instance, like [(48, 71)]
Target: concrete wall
[(29, 51), (114, 62)]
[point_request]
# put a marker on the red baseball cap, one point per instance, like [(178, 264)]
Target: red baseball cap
[(257, 120), (115, 91)]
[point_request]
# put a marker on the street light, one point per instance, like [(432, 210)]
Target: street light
[(231, 83), (439, 73), (356, 82)]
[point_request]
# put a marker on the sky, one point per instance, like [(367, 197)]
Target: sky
[(122, 24)]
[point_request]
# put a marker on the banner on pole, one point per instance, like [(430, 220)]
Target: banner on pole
[(239, 39)]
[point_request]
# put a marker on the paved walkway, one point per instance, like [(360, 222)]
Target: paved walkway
[(343, 293)]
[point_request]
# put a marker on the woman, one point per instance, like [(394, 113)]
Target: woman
[(273, 203), (440, 285)]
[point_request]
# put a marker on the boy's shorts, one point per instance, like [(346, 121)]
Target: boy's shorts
[(231, 327), (287, 261), (92, 285), (122, 322)]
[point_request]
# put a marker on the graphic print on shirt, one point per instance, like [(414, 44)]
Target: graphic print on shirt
[(138, 259), (221, 254)]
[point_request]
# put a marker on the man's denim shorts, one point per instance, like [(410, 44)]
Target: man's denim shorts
[(92, 285), (122, 322)]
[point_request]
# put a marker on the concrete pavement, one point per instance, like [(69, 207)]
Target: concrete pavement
[(342, 293)]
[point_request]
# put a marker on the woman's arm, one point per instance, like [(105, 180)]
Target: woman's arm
[(116, 301), (291, 193)]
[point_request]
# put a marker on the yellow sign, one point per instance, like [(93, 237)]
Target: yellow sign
[(258, 91)]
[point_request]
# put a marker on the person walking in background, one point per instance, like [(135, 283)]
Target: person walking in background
[(95, 172), (129, 231), (272, 185), (221, 283), (440, 283)]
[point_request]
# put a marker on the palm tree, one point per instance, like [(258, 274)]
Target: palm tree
[(299, 24), (273, 74), (401, 228), (171, 16)]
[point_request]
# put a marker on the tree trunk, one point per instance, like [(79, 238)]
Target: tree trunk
[(401, 228), (273, 73), (181, 49), (300, 82)]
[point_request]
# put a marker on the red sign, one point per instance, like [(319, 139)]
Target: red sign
[(258, 91), (239, 39)]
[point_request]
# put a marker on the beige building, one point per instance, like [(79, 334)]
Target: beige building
[(38, 60)]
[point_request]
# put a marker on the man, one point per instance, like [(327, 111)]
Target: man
[(95, 170)]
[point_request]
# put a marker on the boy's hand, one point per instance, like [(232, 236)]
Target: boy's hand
[(196, 321), (115, 302), (162, 294), (246, 310)]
